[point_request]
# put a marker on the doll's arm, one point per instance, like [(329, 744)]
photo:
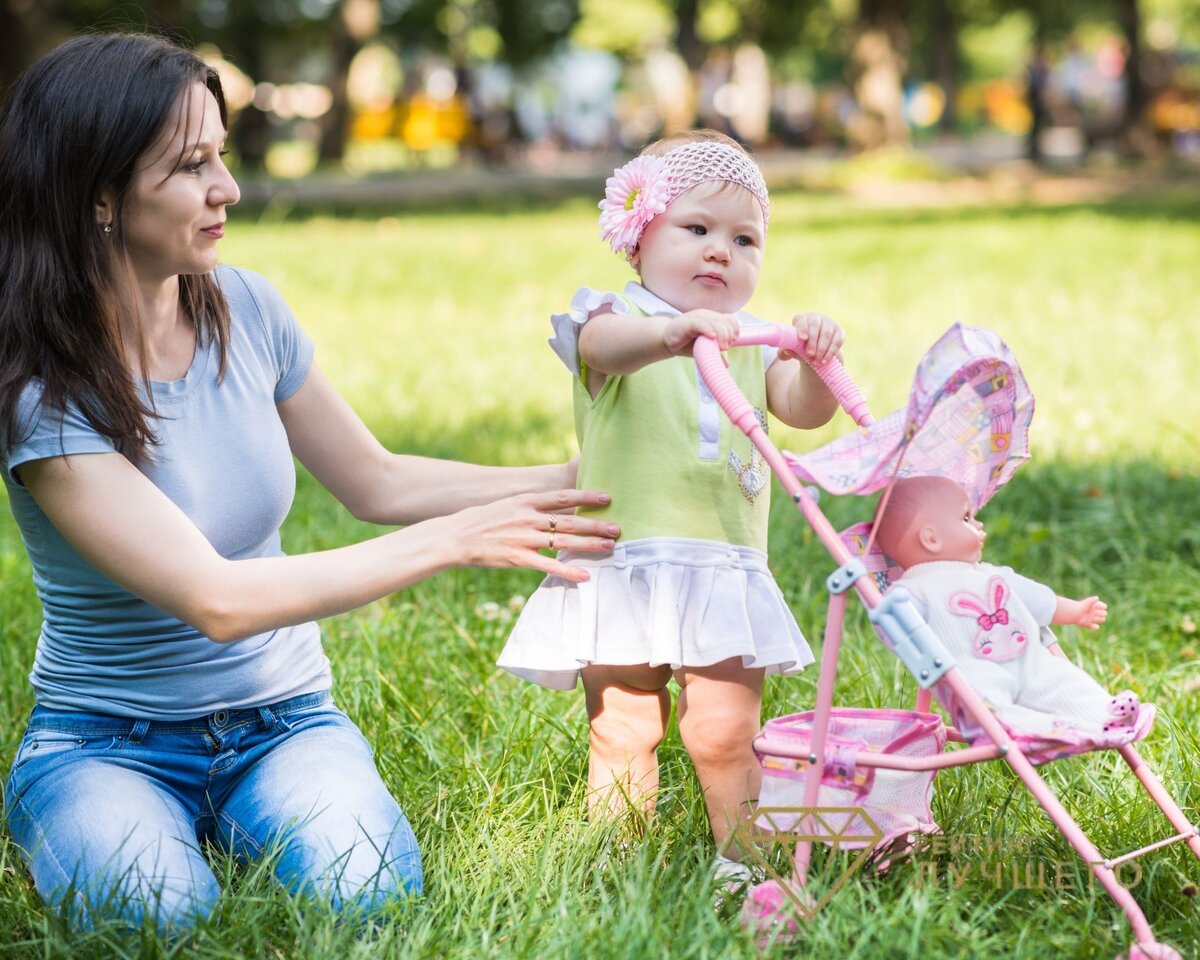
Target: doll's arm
[(1088, 613)]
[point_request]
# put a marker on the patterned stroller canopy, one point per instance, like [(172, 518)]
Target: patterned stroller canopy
[(967, 418)]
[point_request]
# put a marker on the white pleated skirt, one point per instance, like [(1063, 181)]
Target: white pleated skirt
[(686, 603)]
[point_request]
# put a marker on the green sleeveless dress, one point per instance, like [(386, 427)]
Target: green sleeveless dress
[(688, 584)]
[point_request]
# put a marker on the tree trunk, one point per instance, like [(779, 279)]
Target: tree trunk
[(355, 22), (1135, 91), (28, 29), (1036, 76), (947, 63), (687, 39), (335, 125), (877, 55), (693, 52), (169, 19), (250, 133)]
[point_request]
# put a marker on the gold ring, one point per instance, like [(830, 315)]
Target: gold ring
[(553, 522), (551, 547)]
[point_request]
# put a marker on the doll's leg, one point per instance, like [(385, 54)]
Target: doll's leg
[(1053, 684), (719, 716), (628, 707)]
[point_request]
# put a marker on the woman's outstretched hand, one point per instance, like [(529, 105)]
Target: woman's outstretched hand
[(514, 531)]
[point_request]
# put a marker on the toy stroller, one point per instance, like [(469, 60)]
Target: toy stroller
[(861, 778)]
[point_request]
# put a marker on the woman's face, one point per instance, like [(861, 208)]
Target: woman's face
[(174, 211)]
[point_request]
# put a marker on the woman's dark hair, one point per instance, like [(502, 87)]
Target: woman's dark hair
[(76, 123)]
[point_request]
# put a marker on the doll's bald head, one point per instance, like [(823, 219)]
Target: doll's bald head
[(913, 527)]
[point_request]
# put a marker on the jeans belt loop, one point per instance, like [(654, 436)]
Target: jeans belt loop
[(271, 720), (139, 731)]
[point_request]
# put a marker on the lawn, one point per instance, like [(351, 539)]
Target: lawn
[(434, 324)]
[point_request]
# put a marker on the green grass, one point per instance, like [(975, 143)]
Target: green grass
[(433, 325)]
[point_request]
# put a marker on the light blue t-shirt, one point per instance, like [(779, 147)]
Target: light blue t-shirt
[(223, 457)]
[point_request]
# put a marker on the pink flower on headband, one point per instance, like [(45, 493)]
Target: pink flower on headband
[(642, 189), (633, 196)]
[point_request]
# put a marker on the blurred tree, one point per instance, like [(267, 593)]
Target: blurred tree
[(526, 31), (355, 23), (243, 34), (947, 60), (874, 33), (1130, 18), (628, 28), (518, 33), (1051, 21), (28, 28), (779, 26), (879, 43), (14, 39), (687, 37), (936, 51), (530, 31)]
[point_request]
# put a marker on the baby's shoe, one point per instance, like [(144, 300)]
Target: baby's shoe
[(767, 915), (726, 871), (731, 880)]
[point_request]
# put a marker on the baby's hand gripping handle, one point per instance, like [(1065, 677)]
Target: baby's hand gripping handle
[(734, 403)]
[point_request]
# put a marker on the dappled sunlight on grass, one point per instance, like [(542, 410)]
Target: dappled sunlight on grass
[(434, 327), (440, 319)]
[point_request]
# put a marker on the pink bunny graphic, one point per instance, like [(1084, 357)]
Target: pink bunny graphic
[(1000, 636)]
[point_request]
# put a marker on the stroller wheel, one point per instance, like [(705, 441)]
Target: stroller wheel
[(1151, 951), (766, 916)]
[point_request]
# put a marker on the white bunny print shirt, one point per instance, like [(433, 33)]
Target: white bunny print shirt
[(994, 622)]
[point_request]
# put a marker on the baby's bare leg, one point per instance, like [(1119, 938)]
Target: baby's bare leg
[(719, 716), (628, 707)]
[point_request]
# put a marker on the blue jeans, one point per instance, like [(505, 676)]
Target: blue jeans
[(110, 813)]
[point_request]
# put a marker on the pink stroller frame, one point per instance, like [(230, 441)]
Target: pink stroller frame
[(842, 755)]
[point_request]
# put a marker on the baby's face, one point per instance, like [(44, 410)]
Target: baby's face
[(705, 251), (949, 512)]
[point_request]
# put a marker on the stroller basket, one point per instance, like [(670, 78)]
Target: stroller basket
[(897, 801)]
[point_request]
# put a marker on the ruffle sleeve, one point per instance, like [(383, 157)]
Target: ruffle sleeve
[(565, 341)]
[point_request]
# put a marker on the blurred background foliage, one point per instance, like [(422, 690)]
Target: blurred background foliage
[(371, 85)]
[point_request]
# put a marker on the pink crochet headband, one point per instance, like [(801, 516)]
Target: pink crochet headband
[(642, 189)]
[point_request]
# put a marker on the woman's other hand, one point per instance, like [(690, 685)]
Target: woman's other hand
[(513, 532)]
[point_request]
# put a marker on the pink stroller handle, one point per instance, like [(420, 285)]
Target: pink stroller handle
[(727, 394)]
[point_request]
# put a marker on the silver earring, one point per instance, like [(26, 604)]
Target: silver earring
[(107, 229)]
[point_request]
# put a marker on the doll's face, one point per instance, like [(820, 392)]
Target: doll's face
[(947, 513), (705, 250)]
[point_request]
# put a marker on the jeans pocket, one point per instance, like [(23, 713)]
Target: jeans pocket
[(42, 743)]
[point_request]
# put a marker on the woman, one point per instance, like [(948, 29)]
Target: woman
[(150, 406)]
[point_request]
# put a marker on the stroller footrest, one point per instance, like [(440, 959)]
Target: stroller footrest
[(1111, 862), (911, 638)]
